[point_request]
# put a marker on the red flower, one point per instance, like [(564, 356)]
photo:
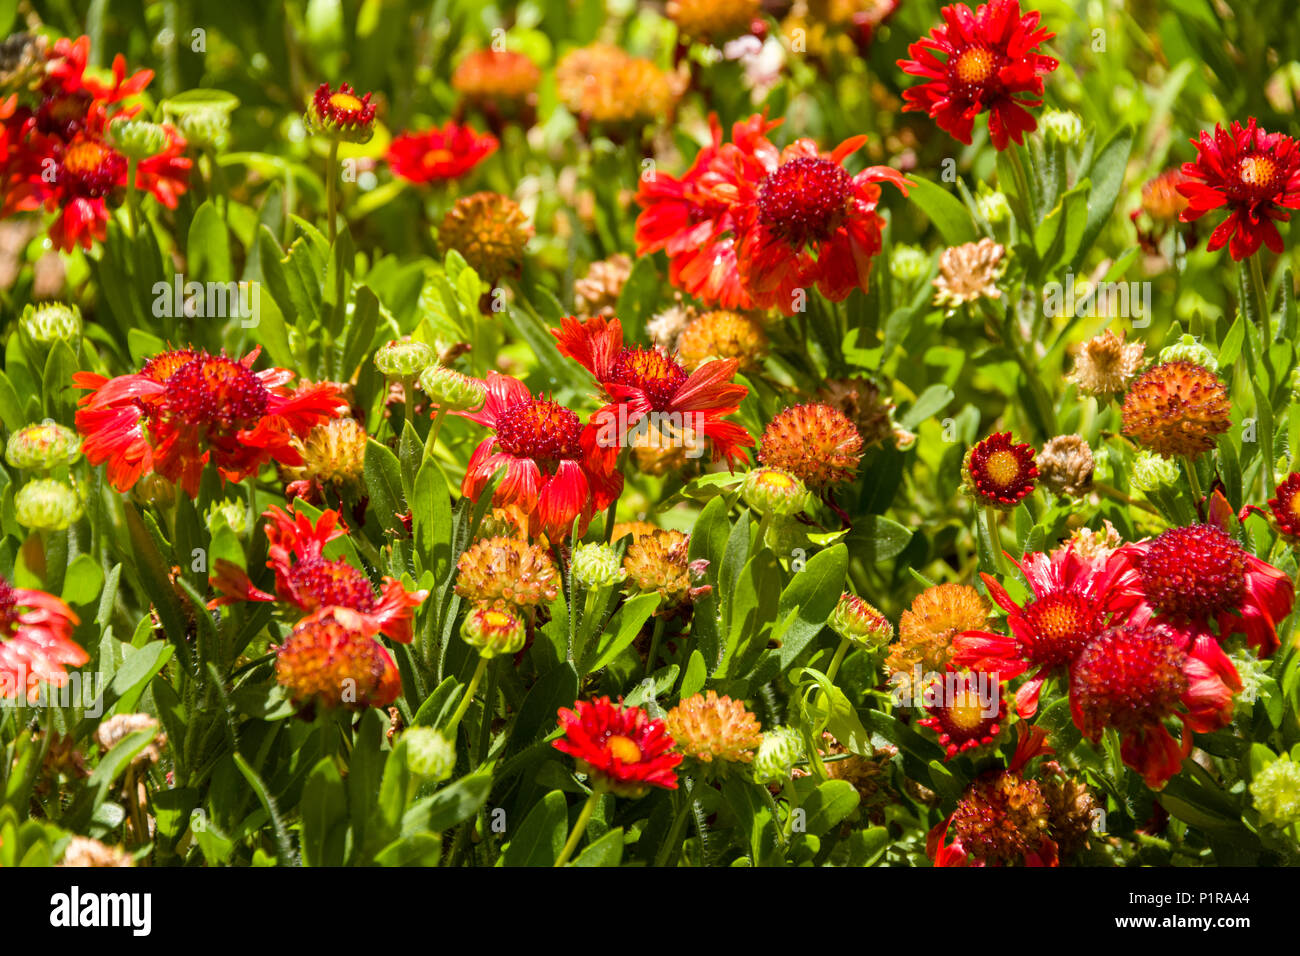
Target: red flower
[(1075, 599), (693, 219), (1003, 818), (341, 111), (308, 581), (35, 641), (990, 64), (648, 381), (185, 408), (1198, 574), (1255, 174), (1285, 508), (437, 155), (621, 749), (555, 473), (959, 717), (1134, 677), (66, 67), (1000, 473)]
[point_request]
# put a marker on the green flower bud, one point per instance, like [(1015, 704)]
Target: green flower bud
[(47, 505), (597, 566), (776, 755), (908, 263), (772, 491), (859, 623), (154, 489), (1187, 349), (452, 390), (43, 447), (993, 206), (1276, 791), (1061, 126), (404, 358), (229, 512), (137, 139), (205, 128), (429, 754), (493, 630), (51, 322), (1151, 471)]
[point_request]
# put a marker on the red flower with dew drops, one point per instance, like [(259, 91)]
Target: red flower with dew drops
[(438, 155), (961, 717), (1284, 508), (990, 64), (1075, 598), (809, 222), (1135, 677), (331, 653), (1198, 574), (1000, 473), (650, 382), (693, 219), (1254, 175), (186, 408), (35, 641), (555, 472), (621, 749), (307, 581), (1003, 818)]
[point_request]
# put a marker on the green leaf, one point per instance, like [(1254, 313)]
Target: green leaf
[(830, 803), (417, 849), (944, 210), (208, 247), (83, 581), (450, 806), (324, 816), (829, 710), (384, 483), (607, 851), (1107, 177), (877, 538), (808, 600), (695, 676), (541, 836), (621, 631)]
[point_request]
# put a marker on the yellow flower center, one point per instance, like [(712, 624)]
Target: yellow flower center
[(1257, 171), (345, 101), (966, 712), (976, 65), (1003, 467), (624, 748), (84, 157), (775, 480), (497, 619)]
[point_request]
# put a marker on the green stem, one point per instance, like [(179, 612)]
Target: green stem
[(654, 645), (1194, 481), (1022, 187), (792, 797), (840, 653), (132, 212), (331, 176), (579, 828), (679, 821), (1270, 378), (438, 416), (995, 539), (613, 505), (1112, 492), (469, 695)]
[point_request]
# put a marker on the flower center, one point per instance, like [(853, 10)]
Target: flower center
[(1001, 818), (775, 480), (345, 101), (1061, 624), (319, 582), (1194, 572), (495, 618), (1003, 467), (974, 66), (1258, 175), (650, 371), (967, 711), (803, 200), (540, 429), (624, 748), (1128, 678), (91, 168), (217, 391)]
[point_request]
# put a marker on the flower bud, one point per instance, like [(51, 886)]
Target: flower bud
[(1061, 126), (1150, 472), (137, 139), (596, 566), (47, 505), (230, 513), (429, 754), (452, 390), (992, 205), (404, 358), (776, 755), (1187, 349), (493, 630), (859, 623), (1276, 792), (774, 491), (341, 115), (51, 322), (205, 128), (43, 447), (908, 263)]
